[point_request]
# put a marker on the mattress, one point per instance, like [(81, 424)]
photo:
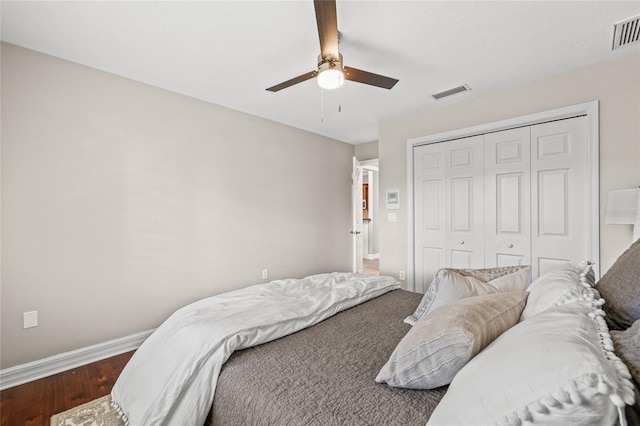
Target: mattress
[(324, 375)]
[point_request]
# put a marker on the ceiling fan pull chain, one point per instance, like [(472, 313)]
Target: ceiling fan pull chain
[(321, 106)]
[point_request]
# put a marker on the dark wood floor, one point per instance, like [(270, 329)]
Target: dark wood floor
[(34, 403)]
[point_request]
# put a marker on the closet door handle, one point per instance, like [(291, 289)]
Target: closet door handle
[(510, 245), (461, 242)]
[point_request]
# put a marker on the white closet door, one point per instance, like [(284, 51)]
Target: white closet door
[(507, 198), (560, 194), (465, 205), (429, 213), (449, 211)]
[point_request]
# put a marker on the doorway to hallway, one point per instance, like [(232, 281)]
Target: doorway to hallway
[(365, 217)]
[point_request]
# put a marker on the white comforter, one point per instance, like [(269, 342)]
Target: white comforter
[(172, 377)]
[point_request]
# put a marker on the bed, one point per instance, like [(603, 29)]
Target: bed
[(324, 375), (563, 350)]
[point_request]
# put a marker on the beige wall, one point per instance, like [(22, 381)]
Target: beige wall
[(615, 83), (366, 151), (122, 202)]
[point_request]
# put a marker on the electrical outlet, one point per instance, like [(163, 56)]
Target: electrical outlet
[(265, 274), (30, 319), (402, 277)]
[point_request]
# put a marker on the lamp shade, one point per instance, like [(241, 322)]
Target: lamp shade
[(623, 207)]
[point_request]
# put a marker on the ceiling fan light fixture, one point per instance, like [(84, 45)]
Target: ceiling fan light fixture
[(330, 74), (330, 79)]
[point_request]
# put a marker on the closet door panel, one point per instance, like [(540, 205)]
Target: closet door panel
[(465, 205), (461, 204), (432, 260), (432, 205), (560, 231), (507, 197), (553, 199), (461, 259), (544, 264), (509, 200), (503, 259), (430, 220)]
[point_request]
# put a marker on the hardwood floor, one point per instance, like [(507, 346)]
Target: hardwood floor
[(371, 267), (33, 404)]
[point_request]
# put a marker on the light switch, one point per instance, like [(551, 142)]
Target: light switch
[(392, 218)]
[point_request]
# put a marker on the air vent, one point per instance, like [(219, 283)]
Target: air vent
[(626, 32), (449, 92)]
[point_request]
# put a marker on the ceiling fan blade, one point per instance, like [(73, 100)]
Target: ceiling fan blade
[(327, 20), (295, 80), (369, 78)]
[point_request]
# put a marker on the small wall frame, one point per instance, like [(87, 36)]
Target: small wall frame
[(393, 199)]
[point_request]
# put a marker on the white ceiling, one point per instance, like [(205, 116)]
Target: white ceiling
[(229, 52)]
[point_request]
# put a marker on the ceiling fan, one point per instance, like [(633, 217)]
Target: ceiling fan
[(331, 72)]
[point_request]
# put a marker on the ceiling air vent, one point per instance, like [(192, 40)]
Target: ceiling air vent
[(449, 92), (626, 32)]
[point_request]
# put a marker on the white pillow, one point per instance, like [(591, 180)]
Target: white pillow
[(555, 368), (565, 284), (449, 286)]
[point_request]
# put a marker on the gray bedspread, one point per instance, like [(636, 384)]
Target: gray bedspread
[(324, 375)]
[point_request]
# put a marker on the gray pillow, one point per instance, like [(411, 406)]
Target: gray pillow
[(620, 288), (443, 341)]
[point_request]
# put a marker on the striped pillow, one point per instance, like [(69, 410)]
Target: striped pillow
[(443, 341)]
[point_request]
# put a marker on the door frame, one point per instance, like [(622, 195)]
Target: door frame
[(356, 207), (588, 109)]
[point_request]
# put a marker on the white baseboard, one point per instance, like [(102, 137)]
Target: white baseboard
[(372, 256), (24, 373)]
